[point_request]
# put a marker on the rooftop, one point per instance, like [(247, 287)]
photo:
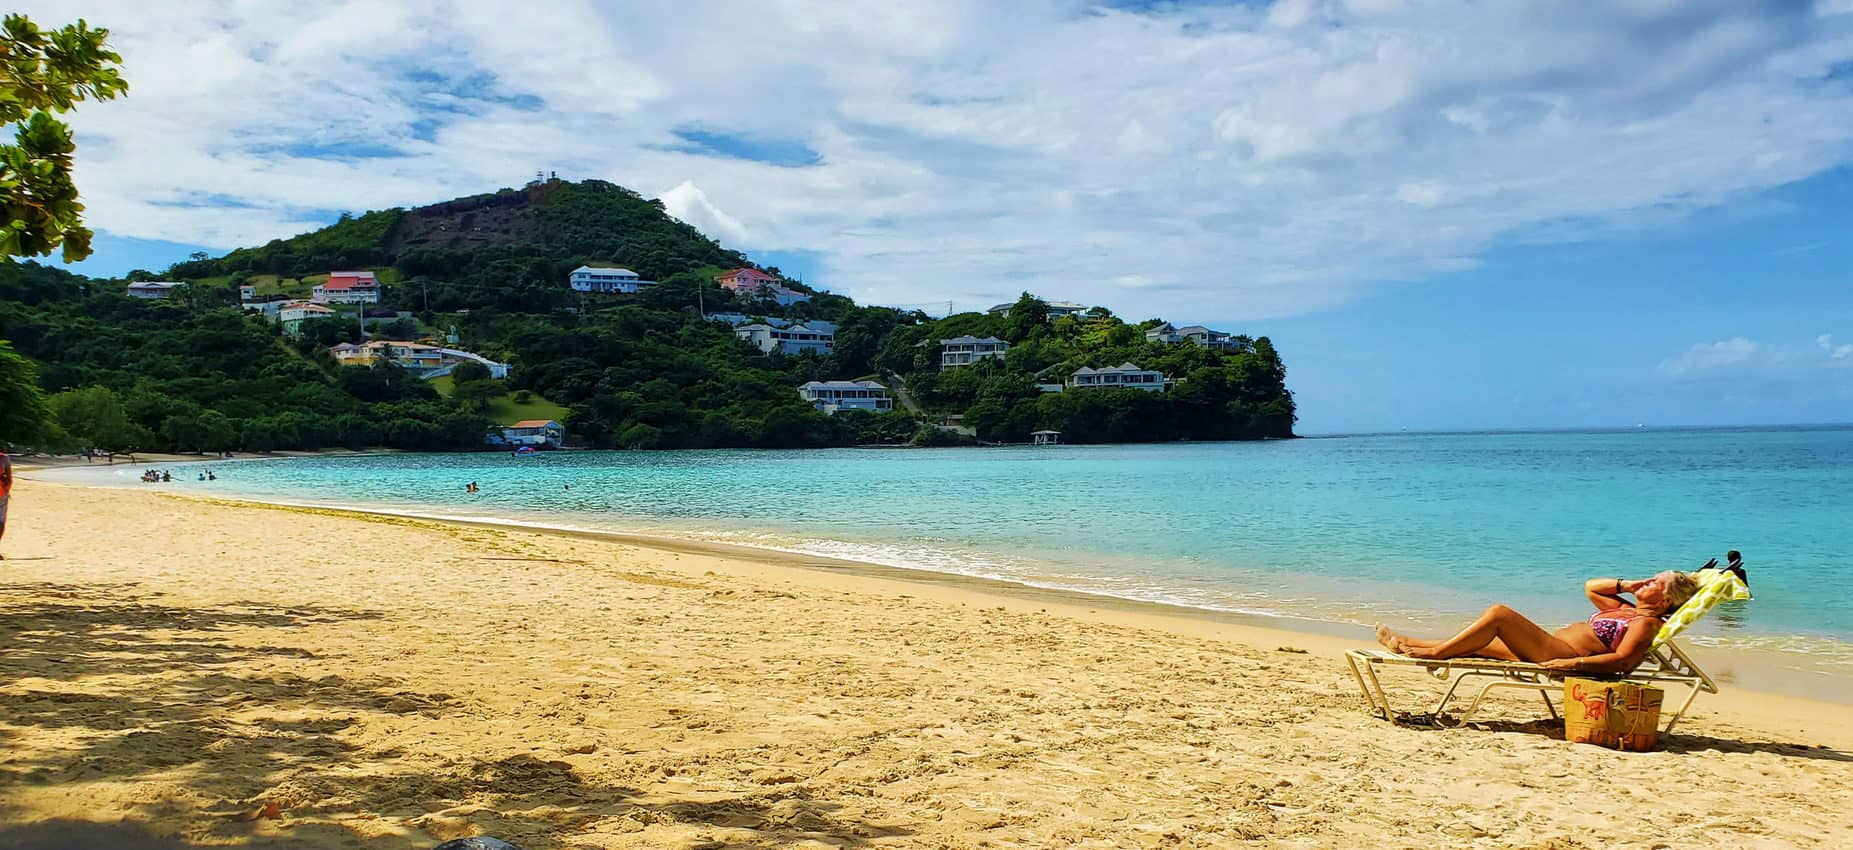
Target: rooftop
[(841, 385)]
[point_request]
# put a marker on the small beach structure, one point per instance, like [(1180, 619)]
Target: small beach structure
[(1046, 438), (539, 433), (832, 396), (1124, 375)]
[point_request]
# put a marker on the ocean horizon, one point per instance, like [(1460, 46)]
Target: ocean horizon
[(1416, 529)]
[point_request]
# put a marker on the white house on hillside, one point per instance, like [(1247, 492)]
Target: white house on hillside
[(348, 288), (292, 314), (795, 339), (966, 350), (426, 361), (1214, 340), (603, 279), (1057, 309), (832, 396), (154, 290), (1124, 375)]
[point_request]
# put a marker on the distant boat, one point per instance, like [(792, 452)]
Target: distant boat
[(526, 451)]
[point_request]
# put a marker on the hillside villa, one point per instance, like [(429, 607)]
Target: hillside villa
[(1214, 340), (606, 279), (757, 284), (154, 290), (1124, 375), (1057, 309), (539, 433), (966, 350), (832, 396), (348, 288), (738, 319), (291, 315), (426, 361), (792, 339)]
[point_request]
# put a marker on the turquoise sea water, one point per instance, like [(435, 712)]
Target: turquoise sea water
[(1418, 530)]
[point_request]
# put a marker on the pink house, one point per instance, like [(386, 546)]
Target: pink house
[(754, 282), (747, 280)]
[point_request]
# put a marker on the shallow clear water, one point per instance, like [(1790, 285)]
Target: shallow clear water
[(1411, 529)]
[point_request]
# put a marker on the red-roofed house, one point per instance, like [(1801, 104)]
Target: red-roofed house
[(348, 288)]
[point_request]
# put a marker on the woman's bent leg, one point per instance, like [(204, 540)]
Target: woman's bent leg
[(1521, 638)]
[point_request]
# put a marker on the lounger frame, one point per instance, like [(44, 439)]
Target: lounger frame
[(1665, 664)]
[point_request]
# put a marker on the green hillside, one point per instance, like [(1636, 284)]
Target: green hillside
[(633, 371)]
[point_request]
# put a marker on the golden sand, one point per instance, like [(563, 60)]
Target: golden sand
[(185, 673)]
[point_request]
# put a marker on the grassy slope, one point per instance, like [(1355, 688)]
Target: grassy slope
[(504, 410)]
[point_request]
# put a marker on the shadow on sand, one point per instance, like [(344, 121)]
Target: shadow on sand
[(134, 690), (1678, 742)]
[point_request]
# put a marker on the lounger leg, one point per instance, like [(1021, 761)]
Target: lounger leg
[(1547, 702), (1691, 695), (1370, 701), (1383, 699), (1443, 704)]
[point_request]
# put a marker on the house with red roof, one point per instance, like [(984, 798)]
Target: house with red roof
[(348, 288)]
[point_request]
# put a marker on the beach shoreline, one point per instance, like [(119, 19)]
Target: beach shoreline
[(1777, 673), (227, 672)]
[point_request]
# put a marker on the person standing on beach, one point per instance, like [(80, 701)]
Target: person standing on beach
[(6, 492)]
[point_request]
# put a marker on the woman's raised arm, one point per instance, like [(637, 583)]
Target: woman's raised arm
[(1605, 593)]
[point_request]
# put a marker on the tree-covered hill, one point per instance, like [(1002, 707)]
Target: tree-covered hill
[(635, 371)]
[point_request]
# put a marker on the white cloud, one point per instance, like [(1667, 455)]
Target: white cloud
[(688, 203), (1216, 161), (1741, 358)]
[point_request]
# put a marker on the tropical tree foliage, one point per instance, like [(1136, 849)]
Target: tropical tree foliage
[(47, 72)]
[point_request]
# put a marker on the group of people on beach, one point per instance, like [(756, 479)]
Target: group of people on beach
[(164, 476)]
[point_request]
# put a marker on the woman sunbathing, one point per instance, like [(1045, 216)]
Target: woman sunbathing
[(1614, 640)]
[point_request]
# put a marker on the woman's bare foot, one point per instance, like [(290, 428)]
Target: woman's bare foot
[(1390, 640), (1414, 650)]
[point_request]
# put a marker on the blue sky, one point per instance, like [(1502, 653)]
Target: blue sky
[(1447, 216)]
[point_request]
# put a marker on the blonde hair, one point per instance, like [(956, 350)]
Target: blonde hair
[(1681, 588)]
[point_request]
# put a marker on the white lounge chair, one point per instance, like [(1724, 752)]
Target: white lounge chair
[(1665, 664)]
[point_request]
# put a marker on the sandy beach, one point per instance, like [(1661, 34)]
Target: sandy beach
[(182, 673)]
